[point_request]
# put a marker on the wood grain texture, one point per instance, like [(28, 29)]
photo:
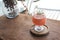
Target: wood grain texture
[(19, 29)]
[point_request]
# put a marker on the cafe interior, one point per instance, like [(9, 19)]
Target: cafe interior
[(29, 19)]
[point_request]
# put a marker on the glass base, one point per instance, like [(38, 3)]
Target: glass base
[(39, 28), (11, 16)]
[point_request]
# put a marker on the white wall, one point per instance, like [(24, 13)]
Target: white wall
[(51, 4), (0, 0)]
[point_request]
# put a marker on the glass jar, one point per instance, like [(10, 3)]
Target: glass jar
[(11, 13), (39, 20)]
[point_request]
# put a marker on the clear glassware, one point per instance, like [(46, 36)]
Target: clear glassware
[(38, 19), (11, 13)]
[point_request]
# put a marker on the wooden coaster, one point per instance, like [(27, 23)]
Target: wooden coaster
[(44, 32)]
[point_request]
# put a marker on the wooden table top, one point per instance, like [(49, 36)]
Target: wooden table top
[(19, 29)]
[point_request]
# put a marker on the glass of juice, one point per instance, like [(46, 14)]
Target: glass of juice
[(39, 20)]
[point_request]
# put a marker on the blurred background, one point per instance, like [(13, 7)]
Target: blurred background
[(51, 8)]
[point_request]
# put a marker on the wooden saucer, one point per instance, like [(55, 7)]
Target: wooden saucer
[(44, 32)]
